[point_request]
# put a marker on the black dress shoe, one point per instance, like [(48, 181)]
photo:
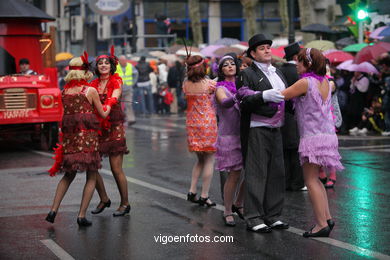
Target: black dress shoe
[(278, 225), (331, 223), (192, 197), (101, 206), (123, 210), (321, 233), (229, 223), (236, 209), (83, 222), (51, 216), (203, 201), (261, 228)]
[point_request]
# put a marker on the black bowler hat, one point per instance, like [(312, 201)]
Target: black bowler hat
[(24, 61), (291, 50), (256, 40)]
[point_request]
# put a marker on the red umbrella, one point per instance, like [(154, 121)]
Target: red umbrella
[(338, 57), (371, 52), (279, 52)]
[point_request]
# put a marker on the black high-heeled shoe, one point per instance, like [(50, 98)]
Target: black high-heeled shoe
[(321, 233), (203, 201), (331, 223), (120, 213), (192, 197), (236, 209), (101, 208), (83, 222), (51, 216), (323, 180), (227, 222)]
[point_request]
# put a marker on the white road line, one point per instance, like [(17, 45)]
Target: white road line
[(367, 147), (57, 250), (326, 240), (151, 128)]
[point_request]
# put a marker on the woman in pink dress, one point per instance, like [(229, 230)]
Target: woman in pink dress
[(201, 126), (318, 146)]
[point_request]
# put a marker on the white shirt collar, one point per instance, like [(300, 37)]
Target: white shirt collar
[(292, 62), (265, 67)]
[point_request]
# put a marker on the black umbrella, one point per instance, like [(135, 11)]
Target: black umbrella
[(344, 42), (316, 28), (386, 39)]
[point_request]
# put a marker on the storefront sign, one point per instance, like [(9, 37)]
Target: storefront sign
[(109, 7)]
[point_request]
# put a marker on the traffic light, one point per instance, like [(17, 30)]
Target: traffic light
[(362, 14)]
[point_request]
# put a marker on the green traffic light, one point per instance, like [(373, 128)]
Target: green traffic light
[(362, 14)]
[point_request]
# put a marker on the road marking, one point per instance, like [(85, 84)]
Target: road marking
[(297, 231), (57, 250), (151, 128), (367, 147)]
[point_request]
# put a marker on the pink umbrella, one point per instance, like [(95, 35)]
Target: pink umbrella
[(377, 31), (337, 57), (208, 51), (365, 67)]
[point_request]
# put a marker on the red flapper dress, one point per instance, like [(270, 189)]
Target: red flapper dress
[(80, 134), (112, 140), (201, 123)]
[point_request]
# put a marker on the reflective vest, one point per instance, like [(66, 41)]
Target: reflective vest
[(127, 77)]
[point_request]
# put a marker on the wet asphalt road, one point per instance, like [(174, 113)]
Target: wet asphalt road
[(158, 170)]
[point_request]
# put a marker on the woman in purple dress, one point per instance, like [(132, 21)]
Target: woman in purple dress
[(318, 146), (228, 155)]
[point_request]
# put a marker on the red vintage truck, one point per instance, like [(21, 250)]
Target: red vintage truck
[(29, 104)]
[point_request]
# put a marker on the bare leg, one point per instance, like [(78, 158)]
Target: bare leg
[(316, 194), (62, 188), (240, 196), (332, 174), (196, 170), (229, 191), (120, 178), (101, 190), (89, 188), (208, 170), (322, 173)]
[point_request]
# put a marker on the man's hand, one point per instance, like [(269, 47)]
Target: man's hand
[(273, 95)]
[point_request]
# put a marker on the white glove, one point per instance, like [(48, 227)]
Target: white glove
[(273, 95)]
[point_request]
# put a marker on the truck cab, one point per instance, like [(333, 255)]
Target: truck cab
[(29, 104)]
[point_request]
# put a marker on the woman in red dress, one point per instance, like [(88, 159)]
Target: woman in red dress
[(201, 125), (112, 142), (78, 151)]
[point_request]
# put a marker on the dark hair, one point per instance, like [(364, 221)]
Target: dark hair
[(112, 66), (221, 76), (24, 61), (198, 72), (385, 61), (318, 63)]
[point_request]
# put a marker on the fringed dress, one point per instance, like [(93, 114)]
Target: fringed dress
[(318, 140), (112, 140), (80, 134), (201, 123), (228, 156)]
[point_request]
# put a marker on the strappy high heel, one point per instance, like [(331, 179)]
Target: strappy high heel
[(203, 201)]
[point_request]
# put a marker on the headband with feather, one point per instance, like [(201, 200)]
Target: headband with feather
[(85, 66), (112, 56)]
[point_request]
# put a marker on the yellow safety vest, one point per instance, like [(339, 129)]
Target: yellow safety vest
[(127, 77)]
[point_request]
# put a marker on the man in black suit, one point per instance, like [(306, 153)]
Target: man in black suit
[(290, 135), (262, 115)]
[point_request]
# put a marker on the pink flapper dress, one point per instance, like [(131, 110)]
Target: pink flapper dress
[(318, 140)]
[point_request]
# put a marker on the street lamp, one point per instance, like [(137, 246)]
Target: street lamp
[(361, 16)]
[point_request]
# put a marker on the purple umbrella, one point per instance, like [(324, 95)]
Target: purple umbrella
[(208, 51), (385, 32), (376, 33), (364, 67), (346, 65)]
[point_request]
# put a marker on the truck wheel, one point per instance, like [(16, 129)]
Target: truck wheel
[(48, 136)]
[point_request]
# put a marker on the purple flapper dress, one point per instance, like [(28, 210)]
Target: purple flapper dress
[(228, 155), (318, 140)]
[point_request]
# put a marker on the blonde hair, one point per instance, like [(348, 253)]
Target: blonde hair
[(77, 74)]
